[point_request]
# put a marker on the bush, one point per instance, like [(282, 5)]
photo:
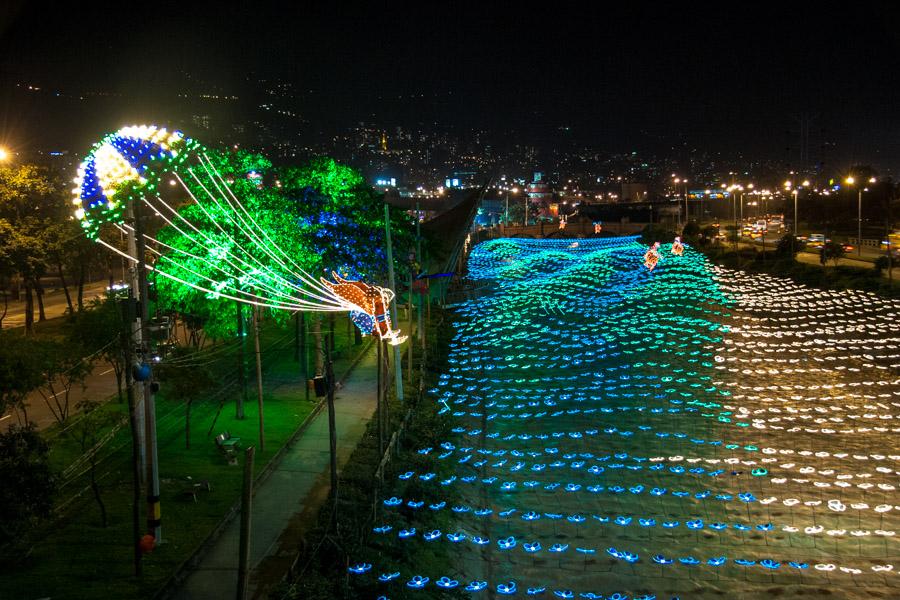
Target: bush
[(690, 231), (881, 263), (26, 494), (789, 245), (656, 233), (709, 234), (833, 251)]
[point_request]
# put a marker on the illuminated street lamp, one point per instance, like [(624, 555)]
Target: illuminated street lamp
[(506, 218), (859, 190), (788, 185), (4, 154), (734, 188)]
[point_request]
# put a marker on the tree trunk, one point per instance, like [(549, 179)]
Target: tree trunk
[(187, 425), (65, 287), (81, 275), (42, 316), (29, 308), (96, 489), (317, 342), (118, 373)]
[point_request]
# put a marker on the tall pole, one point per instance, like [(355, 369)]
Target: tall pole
[(332, 432), (734, 217), (859, 222), (890, 230), (137, 340), (259, 386), (242, 363), (398, 368), (419, 331), (128, 347), (506, 216), (795, 212), (379, 358), (244, 543), (153, 508), (409, 318), (304, 355)]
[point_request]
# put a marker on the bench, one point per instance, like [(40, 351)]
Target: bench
[(228, 445), (191, 490)]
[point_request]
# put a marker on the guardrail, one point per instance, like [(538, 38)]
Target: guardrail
[(866, 243)]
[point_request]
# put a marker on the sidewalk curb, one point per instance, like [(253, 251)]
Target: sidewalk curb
[(184, 570)]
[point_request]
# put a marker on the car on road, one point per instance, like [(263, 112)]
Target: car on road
[(815, 240)]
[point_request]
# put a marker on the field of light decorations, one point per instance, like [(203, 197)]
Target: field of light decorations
[(694, 432)]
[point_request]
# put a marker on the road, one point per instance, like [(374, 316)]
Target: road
[(811, 257), (100, 385), (54, 304)]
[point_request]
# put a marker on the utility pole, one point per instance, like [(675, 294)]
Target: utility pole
[(259, 386), (242, 363), (136, 338), (304, 355), (890, 230), (244, 543), (409, 318), (505, 217), (859, 222), (332, 433), (398, 368), (419, 331), (128, 314), (379, 358), (153, 509)]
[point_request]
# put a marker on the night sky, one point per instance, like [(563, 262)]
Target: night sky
[(647, 77)]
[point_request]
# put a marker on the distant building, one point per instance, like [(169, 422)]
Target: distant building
[(385, 181), (540, 196), (633, 192), (462, 179)]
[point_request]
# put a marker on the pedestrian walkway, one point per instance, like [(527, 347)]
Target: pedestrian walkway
[(298, 483)]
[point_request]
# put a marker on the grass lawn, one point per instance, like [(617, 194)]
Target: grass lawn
[(77, 558)]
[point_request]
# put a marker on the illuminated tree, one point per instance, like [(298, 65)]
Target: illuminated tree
[(198, 253), (344, 219)]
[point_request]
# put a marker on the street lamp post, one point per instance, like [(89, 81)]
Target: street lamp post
[(795, 212), (850, 181), (678, 180), (506, 214), (506, 218), (734, 189)]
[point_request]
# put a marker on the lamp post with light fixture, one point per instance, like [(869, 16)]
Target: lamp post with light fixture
[(859, 190), (678, 180), (506, 217)]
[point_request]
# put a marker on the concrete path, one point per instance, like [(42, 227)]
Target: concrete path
[(298, 484)]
